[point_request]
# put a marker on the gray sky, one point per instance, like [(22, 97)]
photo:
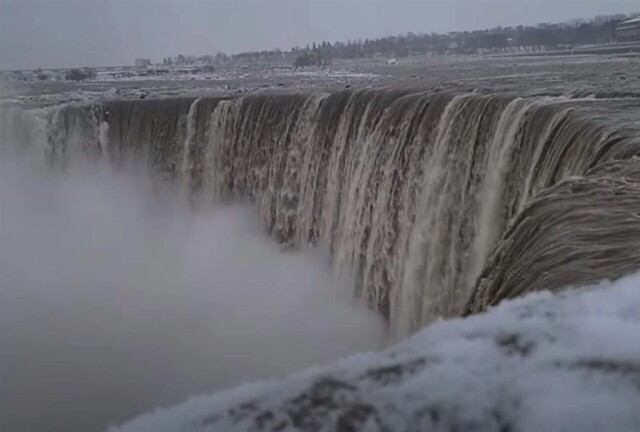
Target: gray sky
[(63, 33)]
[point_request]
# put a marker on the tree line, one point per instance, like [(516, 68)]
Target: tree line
[(599, 30)]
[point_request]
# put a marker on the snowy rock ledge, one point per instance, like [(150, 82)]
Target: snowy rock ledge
[(547, 362)]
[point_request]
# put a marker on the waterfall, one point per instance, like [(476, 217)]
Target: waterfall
[(435, 204)]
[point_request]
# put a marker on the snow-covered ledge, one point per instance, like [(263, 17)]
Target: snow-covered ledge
[(547, 362)]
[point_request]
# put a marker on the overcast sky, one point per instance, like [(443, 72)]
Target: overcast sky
[(64, 33)]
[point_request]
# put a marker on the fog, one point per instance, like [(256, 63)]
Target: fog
[(66, 33), (116, 299)]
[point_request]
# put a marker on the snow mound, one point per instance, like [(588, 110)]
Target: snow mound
[(547, 362)]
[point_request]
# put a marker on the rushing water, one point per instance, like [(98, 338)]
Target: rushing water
[(431, 205), (410, 192)]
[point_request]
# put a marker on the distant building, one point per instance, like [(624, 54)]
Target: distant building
[(628, 31), (143, 63)]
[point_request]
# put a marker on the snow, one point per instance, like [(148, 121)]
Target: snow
[(225, 74), (631, 21), (563, 362)]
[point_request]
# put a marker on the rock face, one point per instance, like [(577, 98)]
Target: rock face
[(552, 362)]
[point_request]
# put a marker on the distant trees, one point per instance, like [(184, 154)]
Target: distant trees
[(79, 75), (305, 60), (184, 60), (221, 57), (40, 75), (543, 36), (598, 30), (318, 56)]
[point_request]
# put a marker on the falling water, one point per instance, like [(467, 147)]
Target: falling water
[(420, 197)]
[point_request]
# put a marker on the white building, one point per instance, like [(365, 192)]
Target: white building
[(628, 31), (142, 62)]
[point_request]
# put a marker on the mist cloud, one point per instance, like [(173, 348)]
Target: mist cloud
[(115, 300)]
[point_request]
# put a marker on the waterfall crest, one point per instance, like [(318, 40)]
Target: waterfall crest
[(436, 204)]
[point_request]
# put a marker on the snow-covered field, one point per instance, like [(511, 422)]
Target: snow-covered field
[(28, 88), (567, 362), (559, 75)]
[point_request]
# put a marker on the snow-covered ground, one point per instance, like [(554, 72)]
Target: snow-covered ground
[(28, 89), (565, 362), (228, 74), (528, 76)]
